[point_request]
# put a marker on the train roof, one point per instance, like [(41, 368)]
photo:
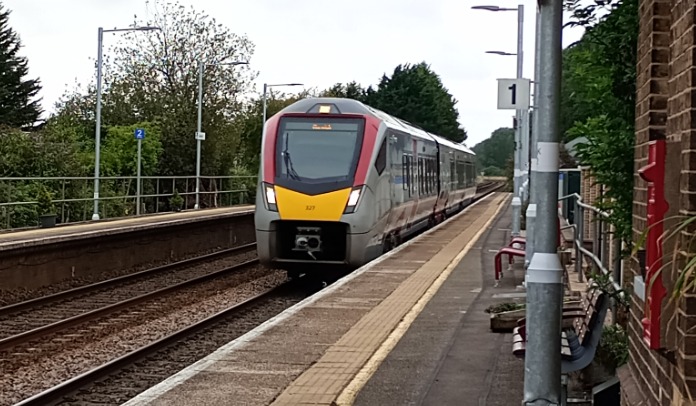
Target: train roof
[(352, 106)]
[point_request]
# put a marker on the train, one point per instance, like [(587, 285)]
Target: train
[(341, 183)]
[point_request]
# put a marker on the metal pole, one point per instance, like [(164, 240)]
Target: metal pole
[(198, 130), (263, 122), (97, 131), (137, 186), (516, 202), (542, 378), (532, 207), (580, 227)]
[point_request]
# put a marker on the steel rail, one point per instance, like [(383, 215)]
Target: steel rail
[(43, 300), (68, 387), (91, 315)]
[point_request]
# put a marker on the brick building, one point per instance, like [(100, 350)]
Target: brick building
[(665, 114)]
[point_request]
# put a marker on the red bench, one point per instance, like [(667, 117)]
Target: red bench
[(512, 252)]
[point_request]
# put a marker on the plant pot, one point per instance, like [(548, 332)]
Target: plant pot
[(47, 220), (177, 209)]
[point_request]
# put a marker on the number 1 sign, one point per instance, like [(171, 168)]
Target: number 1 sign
[(513, 94)]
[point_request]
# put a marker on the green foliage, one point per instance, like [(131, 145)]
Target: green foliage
[(493, 171), (415, 93), (682, 259), (44, 202), (248, 126), (119, 154), (176, 201), (598, 100), (16, 107), (350, 90), (613, 347), (153, 77), (504, 307), (495, 151), (609, 152)]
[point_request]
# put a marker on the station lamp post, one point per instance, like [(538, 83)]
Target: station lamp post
[(266, 86), (97, 132), (200, 135), (517, 156)]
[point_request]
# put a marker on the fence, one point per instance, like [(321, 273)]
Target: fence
[(592, 228), (73, 196)]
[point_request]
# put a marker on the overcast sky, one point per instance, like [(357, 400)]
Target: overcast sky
[(315, 42)]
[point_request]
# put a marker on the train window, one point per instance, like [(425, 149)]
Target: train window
[(381, 160), (405, 172), (318, 150), (431, 176), (433, 179), (421, 178)]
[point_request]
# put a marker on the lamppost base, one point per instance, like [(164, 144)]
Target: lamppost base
[(95, 216), (196, 206)]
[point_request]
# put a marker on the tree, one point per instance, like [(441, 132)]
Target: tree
[(350, 90), (598, 101), (17, 109), (495, 151), (249, 126), (415, 93), (153, 76)]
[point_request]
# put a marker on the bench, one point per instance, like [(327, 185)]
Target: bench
[(512, 252), (581, 331)]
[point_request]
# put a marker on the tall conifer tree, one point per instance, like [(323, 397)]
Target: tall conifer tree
[(17, 109)]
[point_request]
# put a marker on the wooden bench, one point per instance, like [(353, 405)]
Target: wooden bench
[(581, 331)]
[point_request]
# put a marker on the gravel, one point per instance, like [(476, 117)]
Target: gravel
[(29, 369), (39, 316), (8, 297)]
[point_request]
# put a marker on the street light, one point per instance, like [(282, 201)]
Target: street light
[(516, 202), (97, 133), (199, 134), (265, 89), (501, 53)]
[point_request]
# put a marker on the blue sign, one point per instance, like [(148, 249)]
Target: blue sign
[(139, 133)]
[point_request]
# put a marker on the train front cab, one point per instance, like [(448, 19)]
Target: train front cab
[(310, 213)]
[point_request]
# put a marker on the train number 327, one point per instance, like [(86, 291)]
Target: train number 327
[(309, 207)]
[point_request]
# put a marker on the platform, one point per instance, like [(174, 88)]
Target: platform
[(85, 252), (38, 236), (408, 328)]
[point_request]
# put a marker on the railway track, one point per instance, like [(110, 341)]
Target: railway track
[(122, 377), (125, 377), (36, 318)]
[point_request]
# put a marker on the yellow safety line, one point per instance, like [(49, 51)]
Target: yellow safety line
[(349, 393)]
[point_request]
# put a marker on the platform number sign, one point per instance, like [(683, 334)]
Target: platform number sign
[(139, 133), (513, 94)]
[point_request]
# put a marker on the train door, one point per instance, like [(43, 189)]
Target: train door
[(398, 175)]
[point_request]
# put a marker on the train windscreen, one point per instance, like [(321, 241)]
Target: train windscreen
[(318, 150)]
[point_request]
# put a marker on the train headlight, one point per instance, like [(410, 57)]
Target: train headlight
[(270, 197), (353, 199)]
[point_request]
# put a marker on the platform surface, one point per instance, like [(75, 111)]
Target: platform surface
[(449, 356), (23, 238), (391, 333)]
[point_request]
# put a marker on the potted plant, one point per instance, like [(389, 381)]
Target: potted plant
[(176, 201), (46, 210)]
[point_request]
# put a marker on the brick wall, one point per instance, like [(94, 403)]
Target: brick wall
[(666, 94), (589, 192)]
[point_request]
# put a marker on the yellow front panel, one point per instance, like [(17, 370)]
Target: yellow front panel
[(299, 206)]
